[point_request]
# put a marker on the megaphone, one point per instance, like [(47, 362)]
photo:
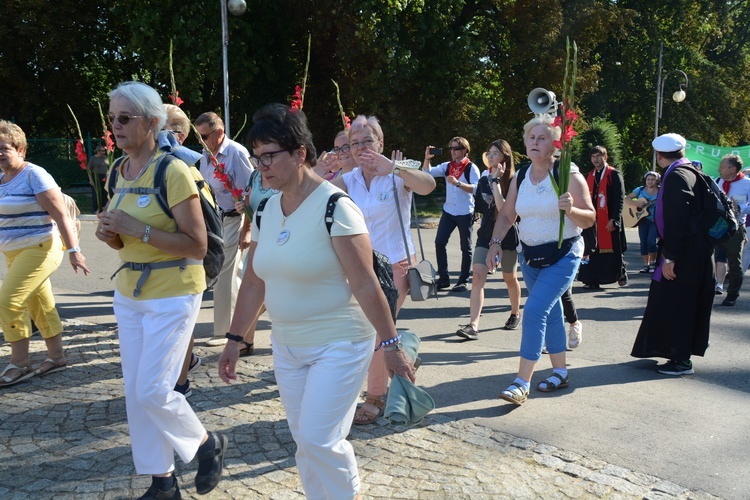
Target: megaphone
[(541, 100)]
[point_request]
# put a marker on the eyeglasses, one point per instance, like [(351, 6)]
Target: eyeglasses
[(367, 143), (122, 119), (492, 153), (206, 136), (343, 149), (456, 148), (266, 159)]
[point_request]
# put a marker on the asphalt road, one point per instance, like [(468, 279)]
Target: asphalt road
[(691, 430)]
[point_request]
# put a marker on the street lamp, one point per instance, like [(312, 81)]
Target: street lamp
[(237, 8), (678, 96)]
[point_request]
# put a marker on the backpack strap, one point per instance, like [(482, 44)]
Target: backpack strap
[(115, 172), (259, 211), (160, 184), (521, 173), (331, 206)]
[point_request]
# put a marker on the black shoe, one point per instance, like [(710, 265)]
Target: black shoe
[(731, 300), (623, 281), (460, 287), (677, 368), (171, 494), (467, 332), (591, 287), (184, 389), (513, 322), (210, 463), (442, 285)]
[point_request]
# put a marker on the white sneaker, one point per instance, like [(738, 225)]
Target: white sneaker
[(575, 334), (216, 341), (719, 289)]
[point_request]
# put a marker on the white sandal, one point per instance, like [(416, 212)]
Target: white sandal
[(26, 372)]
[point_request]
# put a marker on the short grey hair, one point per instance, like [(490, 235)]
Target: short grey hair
[(144, 99), (545, 119), (371, 123)]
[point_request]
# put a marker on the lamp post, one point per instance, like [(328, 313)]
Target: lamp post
[(237, 8), (678, 96)]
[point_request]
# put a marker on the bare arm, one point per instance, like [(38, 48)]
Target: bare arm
[(577, 202), (505, 219), (250, 298), (189, 241), (355, 254), (53, 203), (415, 180)]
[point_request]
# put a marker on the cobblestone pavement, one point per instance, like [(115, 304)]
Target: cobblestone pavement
[(65, 436)]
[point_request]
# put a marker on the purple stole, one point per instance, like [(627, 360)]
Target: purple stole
[(659, 212)]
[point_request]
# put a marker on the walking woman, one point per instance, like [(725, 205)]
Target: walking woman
[(157, 296), (370, 185), (323, 298), (535, 201), (33, 227), (491, 192)]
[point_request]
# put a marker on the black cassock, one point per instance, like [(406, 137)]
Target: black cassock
[(678, 313)]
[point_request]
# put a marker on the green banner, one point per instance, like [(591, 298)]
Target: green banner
[(711, 155)]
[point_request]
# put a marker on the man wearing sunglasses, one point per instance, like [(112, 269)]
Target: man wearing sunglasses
[(461, 178), (236, 160)]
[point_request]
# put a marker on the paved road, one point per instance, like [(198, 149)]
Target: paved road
[(620, 431)]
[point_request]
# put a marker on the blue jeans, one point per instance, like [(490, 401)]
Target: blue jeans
[(542, 319), (465, 226), (647, 234)]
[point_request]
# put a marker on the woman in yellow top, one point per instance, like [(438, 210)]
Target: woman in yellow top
[(156, 316)]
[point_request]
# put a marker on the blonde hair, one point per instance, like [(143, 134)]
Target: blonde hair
[(177, 120), (362, 122), (545, 119), (12, 133)]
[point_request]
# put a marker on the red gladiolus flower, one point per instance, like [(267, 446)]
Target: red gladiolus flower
[(348, 122), (221, 176), (175, 98), (297, 99), (237, 194), (569, 133), (557, 121), (557, 144), (109, 144), (81, 154)]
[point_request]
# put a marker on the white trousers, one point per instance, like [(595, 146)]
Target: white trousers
[(319, 388), (154, 336), (228, 282)]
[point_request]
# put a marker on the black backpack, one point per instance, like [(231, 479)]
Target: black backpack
[(214, 259), (717, 218), (380, 263)]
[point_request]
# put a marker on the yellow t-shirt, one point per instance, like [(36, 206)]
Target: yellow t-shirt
[(172, 281)]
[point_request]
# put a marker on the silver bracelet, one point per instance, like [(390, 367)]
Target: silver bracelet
[(495, 241)]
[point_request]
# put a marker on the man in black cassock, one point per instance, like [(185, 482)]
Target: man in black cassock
[(678, 313), (606, 263)]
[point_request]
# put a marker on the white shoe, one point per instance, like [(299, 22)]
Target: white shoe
[(575, 334), (216, 341)]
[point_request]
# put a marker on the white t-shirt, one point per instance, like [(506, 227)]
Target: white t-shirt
[(23, 221), (379, 209), (540, 217), (307, 294)]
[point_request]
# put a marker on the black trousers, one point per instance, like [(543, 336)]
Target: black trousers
[(465, 225)]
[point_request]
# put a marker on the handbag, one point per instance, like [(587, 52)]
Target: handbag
[(422, 283), (546, 254)]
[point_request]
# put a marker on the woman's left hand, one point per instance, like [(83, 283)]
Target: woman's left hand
[(399, 363), (565, 203), (378, 164), (78, 261)]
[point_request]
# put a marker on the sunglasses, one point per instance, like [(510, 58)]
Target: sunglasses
[(456, 148), (206, 136), (122, 119)]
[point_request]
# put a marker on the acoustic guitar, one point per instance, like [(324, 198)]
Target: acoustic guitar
[(632, 216)]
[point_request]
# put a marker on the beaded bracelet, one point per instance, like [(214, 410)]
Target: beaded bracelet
[(495, 241), (392, 341)]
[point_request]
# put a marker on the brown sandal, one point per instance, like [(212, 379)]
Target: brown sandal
[(364, 417), (247, 350)]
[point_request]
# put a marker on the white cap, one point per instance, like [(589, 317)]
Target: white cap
[(669, 143)]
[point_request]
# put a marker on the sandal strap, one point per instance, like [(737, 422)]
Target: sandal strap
[(518, 388), (21, 369), (553, 383), (248, 345), (375, 400)]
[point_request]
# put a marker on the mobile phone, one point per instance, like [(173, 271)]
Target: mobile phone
[(436, 151)]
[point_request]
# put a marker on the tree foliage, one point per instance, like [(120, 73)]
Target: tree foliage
[(430, 70)]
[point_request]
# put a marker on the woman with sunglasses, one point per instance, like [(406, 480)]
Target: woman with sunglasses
[(35, 225), (371, 187), (327, 309), (491, 191), (157, 296)]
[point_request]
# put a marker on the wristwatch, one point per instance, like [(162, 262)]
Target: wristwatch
[(496, 180), (73, 250), (236, 338), (668, 261), (458, 184), (396, 170), (398, 346), (146, 234)]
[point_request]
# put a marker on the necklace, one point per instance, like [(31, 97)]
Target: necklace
[(127, 188), (284, 235)]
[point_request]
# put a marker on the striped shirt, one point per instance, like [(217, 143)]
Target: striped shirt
[(23, 221)]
